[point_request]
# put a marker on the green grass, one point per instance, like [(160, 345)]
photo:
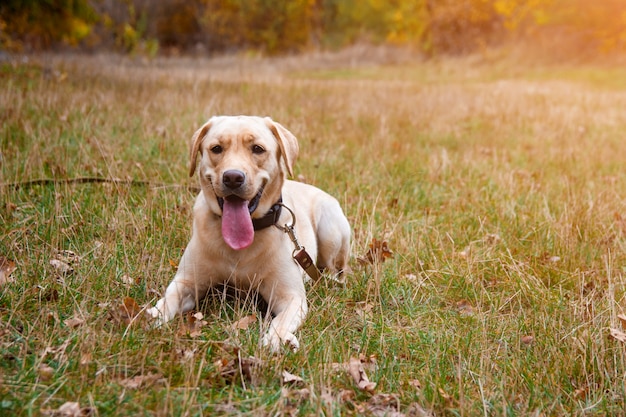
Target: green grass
[(501, 194)]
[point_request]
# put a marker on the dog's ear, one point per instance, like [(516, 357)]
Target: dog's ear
[(196, 141), (286, 141)]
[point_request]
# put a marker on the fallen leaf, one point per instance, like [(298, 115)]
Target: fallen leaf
[(127, 280), (7, 267), (383, 405), (61, 267), (244, 323), (67, 256), (126, 312), (415, 384), (411, 277), (186, 355), (416, 410), (246, 368), (85, 359), (140, 381), (364, 310), (295, 394), (492, 239), (289, 378), (450, 401), (74, 322), (618, 335), (465, 253), (356, 371), (528, 340), (581, 393), (368, 359), (45, 372), (621, 317), (70, 409), (464, 308), (378, 252), (192, 325), (131, 307), (57, 353)]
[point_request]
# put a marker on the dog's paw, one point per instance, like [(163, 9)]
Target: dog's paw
[(275, 342), (156, 316)]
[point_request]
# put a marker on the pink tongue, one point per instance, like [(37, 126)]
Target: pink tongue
[(236, 223)]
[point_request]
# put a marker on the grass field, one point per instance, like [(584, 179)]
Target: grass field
[(500, 189)]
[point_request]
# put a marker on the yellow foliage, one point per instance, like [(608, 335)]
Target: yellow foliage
[(77, 31)]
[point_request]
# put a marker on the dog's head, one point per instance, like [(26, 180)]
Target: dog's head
[(244, 161)]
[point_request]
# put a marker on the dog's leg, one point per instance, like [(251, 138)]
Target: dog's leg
[(184, 291), (333, 239), (179, 297), (289, 307)]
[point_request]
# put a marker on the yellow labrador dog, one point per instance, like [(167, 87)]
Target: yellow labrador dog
[(239, 236)]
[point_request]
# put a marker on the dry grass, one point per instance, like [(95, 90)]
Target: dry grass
[(498, 187)]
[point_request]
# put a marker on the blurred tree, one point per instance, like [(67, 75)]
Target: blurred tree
[(37, 24), (462, 26), (577, 24), (275, 26)]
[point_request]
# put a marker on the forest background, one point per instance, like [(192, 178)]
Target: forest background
[(574, 28)]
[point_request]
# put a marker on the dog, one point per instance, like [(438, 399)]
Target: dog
[(248, 222)]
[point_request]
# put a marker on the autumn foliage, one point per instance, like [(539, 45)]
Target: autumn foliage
[(208, 26)]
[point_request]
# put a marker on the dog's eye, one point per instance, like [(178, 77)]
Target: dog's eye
[(257, 149), (217, 149)]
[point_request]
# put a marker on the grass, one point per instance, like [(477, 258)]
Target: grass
[(501, 195)]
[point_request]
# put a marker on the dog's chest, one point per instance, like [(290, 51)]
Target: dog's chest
[(247, 268)]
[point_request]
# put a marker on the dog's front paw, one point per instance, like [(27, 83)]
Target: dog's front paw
[(274, 341), (156, 316)]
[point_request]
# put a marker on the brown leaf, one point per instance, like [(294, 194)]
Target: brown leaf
[(528, 339), (126, 312), (492, 239), (464, 308), (383, 405), (622, 319), (74, 322), (244, 323), (450, 401), (58, 353), (618, 335), (61, 267), (345, 395), (356, 371), (364, 310), (415, 384), (581, 393), (85, 359), (291, 378), (247, 368), (192, 325), (222, 367), (45, 372), (67, 256), (378, 252), (140, 381), (7, 267), (131, 308), (69, 409), (127, 280), (416, 410)]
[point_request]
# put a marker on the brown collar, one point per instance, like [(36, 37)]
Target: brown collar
[(270, 218)]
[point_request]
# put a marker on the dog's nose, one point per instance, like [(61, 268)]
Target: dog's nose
[(233, 178)]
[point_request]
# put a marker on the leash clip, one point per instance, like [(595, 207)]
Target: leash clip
[(299, 254)]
